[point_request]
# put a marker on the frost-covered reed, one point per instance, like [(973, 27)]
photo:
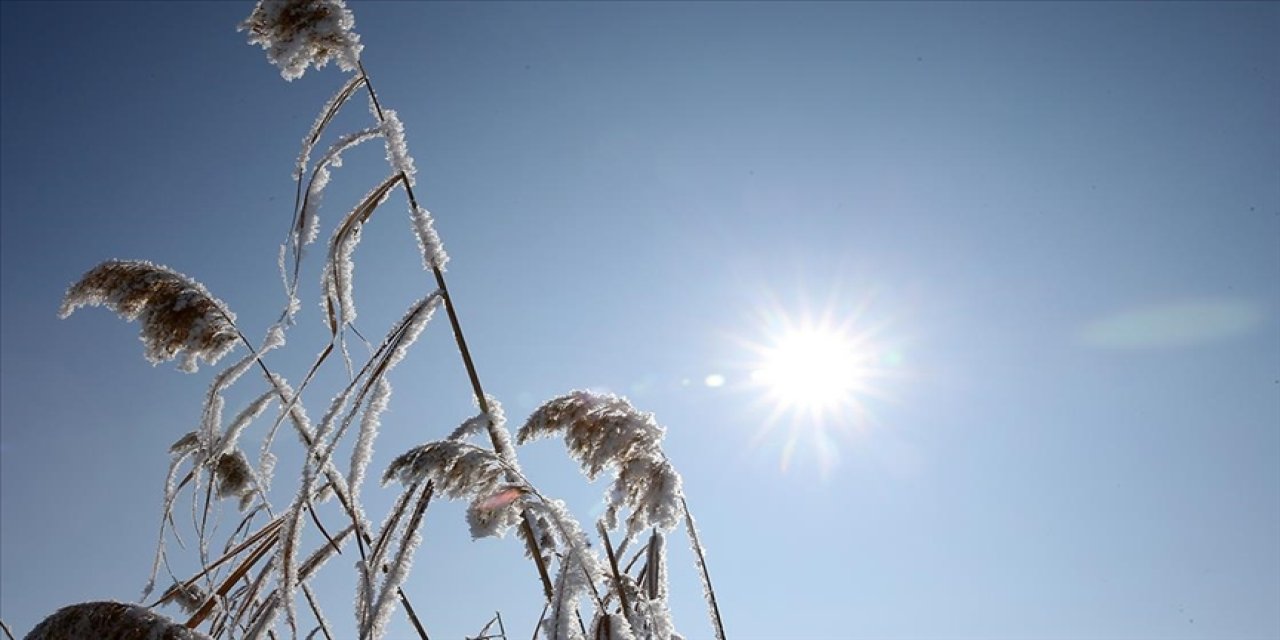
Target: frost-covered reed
[(254, 576), (180, 319), (110, 621)]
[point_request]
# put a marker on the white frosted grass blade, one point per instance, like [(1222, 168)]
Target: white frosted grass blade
[(308, 227), (398, 571), (362, 451), (337, 279), (244, 419), (326, 114)]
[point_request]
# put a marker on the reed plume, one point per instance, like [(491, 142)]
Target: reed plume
[(110, 621), (298, 34), (180, 318), (604, 431)]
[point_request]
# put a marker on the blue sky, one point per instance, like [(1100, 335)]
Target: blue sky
[(1058, 226)]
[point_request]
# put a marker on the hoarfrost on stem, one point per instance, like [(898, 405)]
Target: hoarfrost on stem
[(397, 150), (429, 243)]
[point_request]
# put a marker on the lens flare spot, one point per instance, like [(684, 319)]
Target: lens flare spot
[(502, 498), (1173, 325)]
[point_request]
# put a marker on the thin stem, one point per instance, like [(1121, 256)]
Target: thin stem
[(315, 610), (542, 617), (613, 564), (413, 615), (484, 631), (702, 565)]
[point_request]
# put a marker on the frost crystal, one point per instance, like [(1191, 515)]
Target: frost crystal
[(264, 618), (179, 316), (392, 131), (471, 426), (244, 418), (429, 243), (397, 150), (300, 33), (494, 423), (337, 281)]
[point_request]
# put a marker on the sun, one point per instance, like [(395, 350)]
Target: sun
[(816, 370), (814, 377)]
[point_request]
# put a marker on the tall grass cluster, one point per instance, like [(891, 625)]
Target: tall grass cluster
[(257, 571)]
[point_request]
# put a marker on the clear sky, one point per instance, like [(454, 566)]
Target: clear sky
[(1054, 227)]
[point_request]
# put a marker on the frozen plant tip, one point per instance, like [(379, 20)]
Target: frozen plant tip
[(179, 316), (300, 33)]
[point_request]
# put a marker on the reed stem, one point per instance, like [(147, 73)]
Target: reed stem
[(467, 362)]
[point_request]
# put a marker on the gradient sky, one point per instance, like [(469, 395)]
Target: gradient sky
[(1058, 226)]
